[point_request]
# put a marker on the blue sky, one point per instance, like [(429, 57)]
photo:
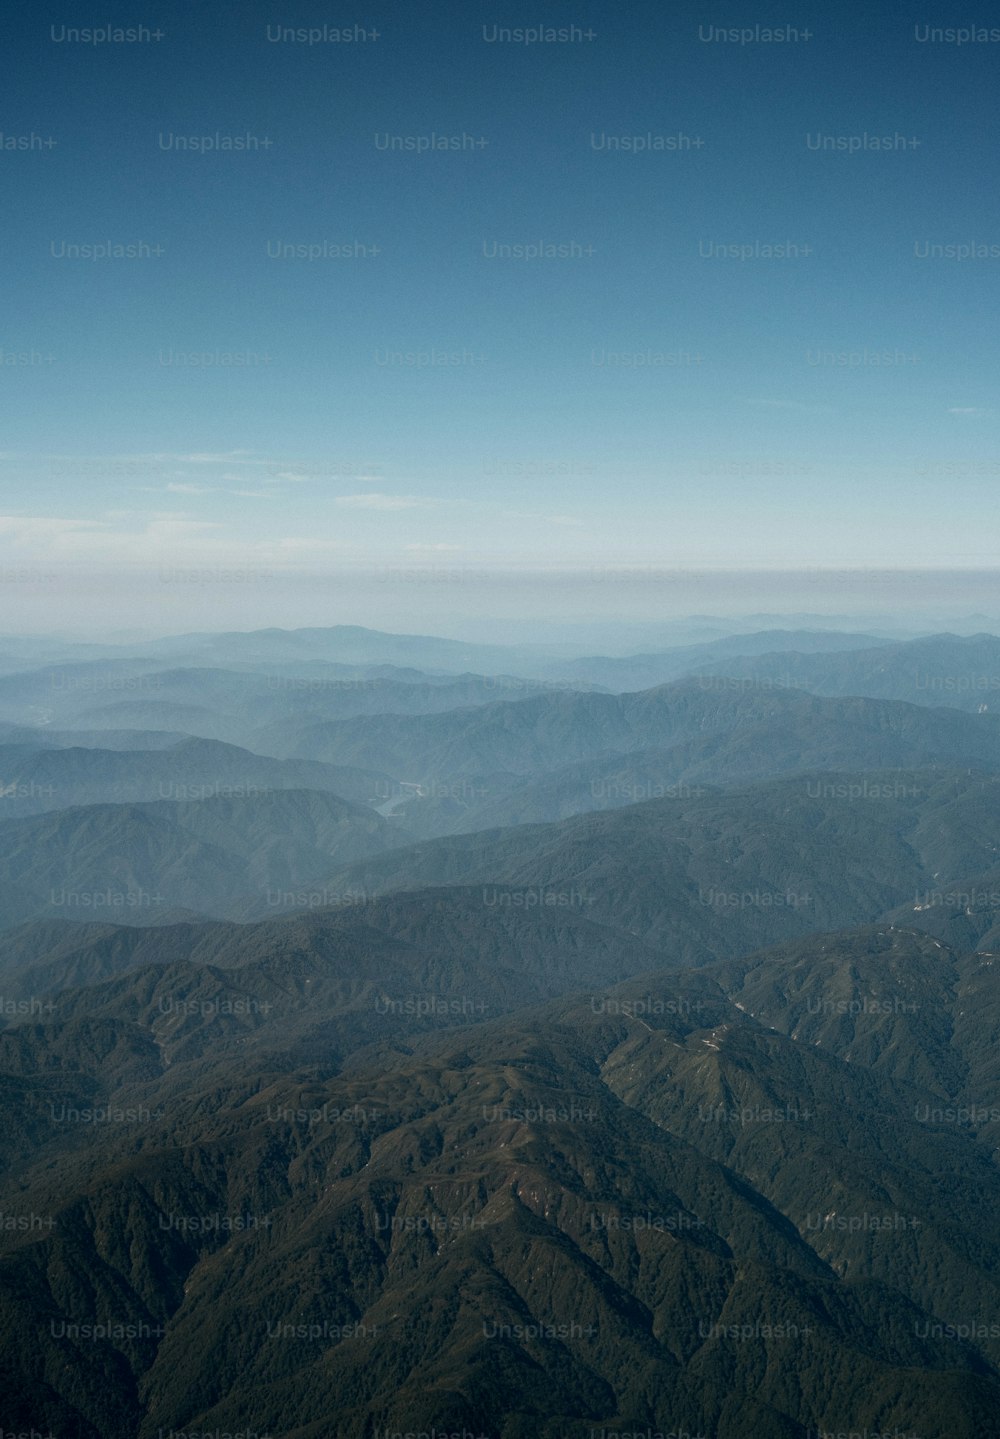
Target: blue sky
[(669, 388)]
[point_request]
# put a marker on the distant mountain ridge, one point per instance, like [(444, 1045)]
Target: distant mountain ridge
[(962, 672), (220, 856), (550, 731), (39, 781), (731, 870)]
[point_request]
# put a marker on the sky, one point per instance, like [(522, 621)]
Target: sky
[(320, 313)]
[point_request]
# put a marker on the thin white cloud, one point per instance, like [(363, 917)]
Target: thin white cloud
[(795, 405), (126, 540), (336, 472), (377, 501), (181, 488), (98, 540), (43, 529), (304, 544), (168, 457), (541, 518), (202, 458)]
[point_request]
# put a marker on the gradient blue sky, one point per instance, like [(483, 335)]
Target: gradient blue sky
[(747, 446)]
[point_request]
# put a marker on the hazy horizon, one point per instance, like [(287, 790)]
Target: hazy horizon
[(472, 602)]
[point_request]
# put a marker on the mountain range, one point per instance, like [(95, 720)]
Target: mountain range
[(403, 1036)]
